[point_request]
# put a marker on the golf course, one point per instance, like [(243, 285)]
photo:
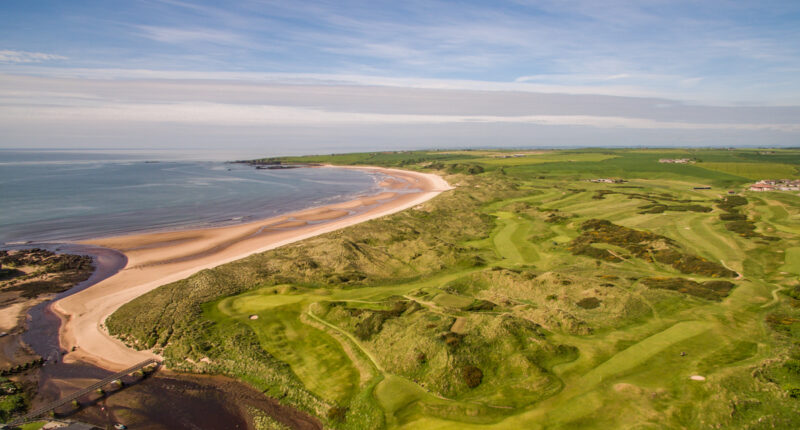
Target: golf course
[(532, 295)]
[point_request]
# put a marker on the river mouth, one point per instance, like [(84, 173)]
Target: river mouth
[(42, 323), (166, 400), (169, 401)]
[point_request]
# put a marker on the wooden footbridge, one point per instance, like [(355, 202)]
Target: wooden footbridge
[(78, 394)]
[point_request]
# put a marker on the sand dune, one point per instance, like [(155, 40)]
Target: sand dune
[(155, 259)]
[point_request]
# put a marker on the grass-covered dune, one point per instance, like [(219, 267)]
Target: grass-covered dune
[(528, 297)]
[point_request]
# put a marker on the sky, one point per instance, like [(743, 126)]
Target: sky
[(287, 77)]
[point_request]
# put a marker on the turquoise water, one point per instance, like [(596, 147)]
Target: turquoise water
[(50, 196)]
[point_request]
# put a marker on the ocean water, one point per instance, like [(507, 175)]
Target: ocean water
[(53, 196)]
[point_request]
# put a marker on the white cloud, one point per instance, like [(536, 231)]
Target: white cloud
[(10, 56), (269, 115), (190, 35), (167, 107), (573, 84)]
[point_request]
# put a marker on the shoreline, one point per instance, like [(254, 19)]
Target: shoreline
[(80, 232), (159, 258)]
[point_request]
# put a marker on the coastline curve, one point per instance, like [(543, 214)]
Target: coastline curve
[(156, 259)]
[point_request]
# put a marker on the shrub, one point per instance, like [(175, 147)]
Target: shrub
[(472, 376), (729, 203), (793, 366), (782, 322), (555, 218), (732, 216), (373, 323), (470, 169), (10, 405), (337, 413), (701, 266), (589, 303), (653, 209), (742, 227), (709, 290), (452, 340), (793, 292), (481, 305), (658, 208), (642, 244)]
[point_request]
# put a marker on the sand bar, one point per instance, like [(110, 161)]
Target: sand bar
[(155, 259)]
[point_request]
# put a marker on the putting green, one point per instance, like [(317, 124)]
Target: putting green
[(792, 260), (317, 359)]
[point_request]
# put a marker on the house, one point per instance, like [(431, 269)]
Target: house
[(776, 185), (608, 180), (676, 160)]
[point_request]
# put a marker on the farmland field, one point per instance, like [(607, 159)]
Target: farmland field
[(548, 157), (527, 297), (755, 170)]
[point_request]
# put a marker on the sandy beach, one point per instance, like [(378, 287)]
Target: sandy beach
[(155, 259)]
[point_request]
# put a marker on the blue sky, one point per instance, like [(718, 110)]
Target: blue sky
[(115, 62)]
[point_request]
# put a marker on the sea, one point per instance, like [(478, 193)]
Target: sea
[(49, 196)]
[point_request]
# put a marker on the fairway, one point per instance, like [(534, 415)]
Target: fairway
[(525, 298), (792, 260)]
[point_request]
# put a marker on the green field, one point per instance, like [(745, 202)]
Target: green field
[(528, 297), (547, 157), (792, 261), (755, 171)]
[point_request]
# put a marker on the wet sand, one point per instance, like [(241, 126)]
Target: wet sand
[(155, 259), (194, 402)]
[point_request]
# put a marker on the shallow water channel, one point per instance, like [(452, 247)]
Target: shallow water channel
[(166, 400)]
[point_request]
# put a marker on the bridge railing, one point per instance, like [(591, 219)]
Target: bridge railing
[(80, 393)]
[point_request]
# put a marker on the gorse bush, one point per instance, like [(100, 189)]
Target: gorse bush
[(642, 244), (710, 290)]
